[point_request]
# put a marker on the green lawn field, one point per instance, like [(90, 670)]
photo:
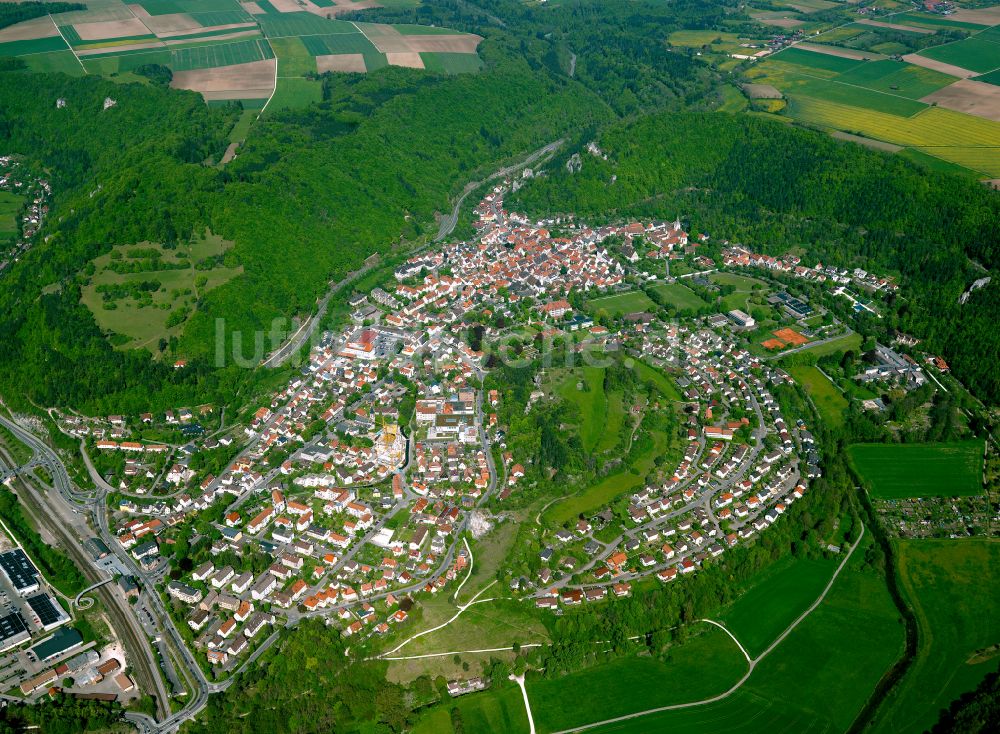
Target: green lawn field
[(830, 403), (10, 205), (895, 471), (293, 93), (973, 53), (293, 57), (494, 711), (621, 303), (142, 326), (744, 286), (592, 403), (634, 683), (835, 90), (498, 623), (815, 60), (648, 373), (951, 585), (848, 341), (55, 61), (451, 63), (786, 590), (817, 680), (679, 296)]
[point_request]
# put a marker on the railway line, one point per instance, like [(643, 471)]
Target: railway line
[(144, 667)]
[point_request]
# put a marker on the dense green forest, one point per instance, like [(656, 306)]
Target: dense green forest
[(61, 715), (312, 193), (344, 692), (11, 13), (773, 187), (973, 712)]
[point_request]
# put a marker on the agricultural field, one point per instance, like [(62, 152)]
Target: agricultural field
[(925, 103), (896, 471), (143, 293), (968, 141), (896, 77), (679, 296), (828, 399), (973, 53), (951, 587), (227, 41), (633, 683), (621, 303)]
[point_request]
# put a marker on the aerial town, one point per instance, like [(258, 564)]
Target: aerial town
[(349, 493)]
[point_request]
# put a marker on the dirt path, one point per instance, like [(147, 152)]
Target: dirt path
[(752, 661), (461, 608)]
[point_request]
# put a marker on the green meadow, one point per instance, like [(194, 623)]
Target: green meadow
[(896, 471)]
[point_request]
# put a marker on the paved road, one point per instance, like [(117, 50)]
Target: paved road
[(446, 227), (448, 223)]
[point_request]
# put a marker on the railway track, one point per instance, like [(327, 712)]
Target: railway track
[(143, 664)]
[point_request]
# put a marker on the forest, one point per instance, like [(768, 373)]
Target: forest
[(11, 13), (773, 188)]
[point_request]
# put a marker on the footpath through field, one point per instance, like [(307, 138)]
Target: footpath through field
[(752, 661)]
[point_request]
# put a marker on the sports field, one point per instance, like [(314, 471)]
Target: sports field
[(633, 683), (621, 303), (897, 471), (951, 587), (679, 296), (830, 403)]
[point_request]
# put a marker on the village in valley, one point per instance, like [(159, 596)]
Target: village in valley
[(356, 492), (352, 493)]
